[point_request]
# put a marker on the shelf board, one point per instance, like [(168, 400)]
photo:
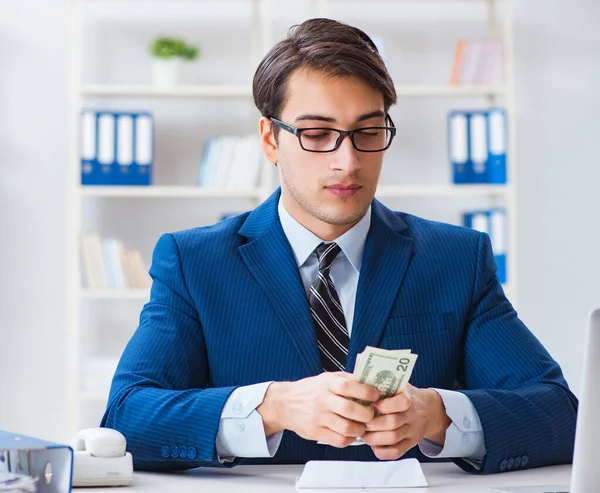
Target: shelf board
[(166, 192), (227, 91), (448, 91), (385, 191), (135, 90), (116, 294)]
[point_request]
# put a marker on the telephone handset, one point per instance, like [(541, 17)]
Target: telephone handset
[(100, 459)]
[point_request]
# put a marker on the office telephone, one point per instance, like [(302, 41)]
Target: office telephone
[(100, 458)]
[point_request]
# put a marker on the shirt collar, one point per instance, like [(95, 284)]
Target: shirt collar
[(304, 242)]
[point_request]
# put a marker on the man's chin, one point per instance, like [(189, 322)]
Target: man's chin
[(342, 216)]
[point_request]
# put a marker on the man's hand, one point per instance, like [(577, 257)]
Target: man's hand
[(317, 408), (403, 420)]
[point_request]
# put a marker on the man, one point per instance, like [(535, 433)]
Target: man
[(245, 351)]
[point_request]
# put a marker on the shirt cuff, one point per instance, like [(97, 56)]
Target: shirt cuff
[(464, 436), (241, 429)]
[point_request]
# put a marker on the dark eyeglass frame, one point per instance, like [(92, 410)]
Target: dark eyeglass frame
[(343, 133)]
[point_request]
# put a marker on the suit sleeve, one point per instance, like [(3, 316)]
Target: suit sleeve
[(526, 409), (160, 397)]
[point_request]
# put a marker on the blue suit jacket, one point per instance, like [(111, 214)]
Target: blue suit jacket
[(228, 308)]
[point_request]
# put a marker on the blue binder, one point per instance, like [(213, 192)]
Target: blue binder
[(144, 149), (497, 139), (458, 145), (107, 146), (493, 223), (89, 149), (50, 463), (124, 149), (478, 147)]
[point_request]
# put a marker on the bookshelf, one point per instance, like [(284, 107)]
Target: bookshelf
[(81, 300)]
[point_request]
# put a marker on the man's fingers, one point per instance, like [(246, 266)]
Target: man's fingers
[(344, 426), (385, 438), (392, 452), (348, 387), (334, 439), (386, 422), (396, 404), (350, 410)]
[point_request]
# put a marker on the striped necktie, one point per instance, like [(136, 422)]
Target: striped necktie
[(328, 317)]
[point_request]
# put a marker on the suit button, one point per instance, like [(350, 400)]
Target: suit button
[(237, 409), (174, 451), (240, 426), (465, 438), (192, 452), (503, 465), (525, 461), (467, 423), (183, 452), (511, 464), (165, 452), (517, 462)]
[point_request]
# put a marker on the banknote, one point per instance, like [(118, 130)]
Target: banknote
[(387, 370)]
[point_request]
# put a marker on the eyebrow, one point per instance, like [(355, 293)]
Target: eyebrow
[(323, 118)]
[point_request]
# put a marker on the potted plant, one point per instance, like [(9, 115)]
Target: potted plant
[(168, 54)]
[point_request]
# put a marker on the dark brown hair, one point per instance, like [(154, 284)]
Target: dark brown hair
[(331, 47)]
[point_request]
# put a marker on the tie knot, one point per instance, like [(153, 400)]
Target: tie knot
[(326, 253)]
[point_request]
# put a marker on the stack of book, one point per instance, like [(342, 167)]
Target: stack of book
[(106, 264), (477, 145), (493, 223), (231, 163), (477, 61)]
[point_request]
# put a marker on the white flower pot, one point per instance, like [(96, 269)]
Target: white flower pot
[(166, 72)]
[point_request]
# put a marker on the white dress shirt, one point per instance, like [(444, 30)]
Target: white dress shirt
[(241, 431)]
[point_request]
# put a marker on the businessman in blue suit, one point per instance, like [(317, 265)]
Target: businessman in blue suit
[(244, 352)]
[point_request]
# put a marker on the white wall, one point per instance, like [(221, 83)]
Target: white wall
[(33, 156), (557, 75)]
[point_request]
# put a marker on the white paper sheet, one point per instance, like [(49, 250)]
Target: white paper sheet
[(344, 474)]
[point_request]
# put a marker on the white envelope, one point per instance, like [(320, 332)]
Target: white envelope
[(344, 474)]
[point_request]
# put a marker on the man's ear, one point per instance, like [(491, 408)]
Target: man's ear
[(267, 140)]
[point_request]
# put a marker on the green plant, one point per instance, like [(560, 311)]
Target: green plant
[(167, 47)]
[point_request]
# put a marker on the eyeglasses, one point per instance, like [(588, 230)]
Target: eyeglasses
[(324, 139)]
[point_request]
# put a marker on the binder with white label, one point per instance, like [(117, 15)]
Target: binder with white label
[(106, 147), (90, 174), (496, 166), (123, 169), (498, 237), (458, 145), (144, 150), (478, 148)]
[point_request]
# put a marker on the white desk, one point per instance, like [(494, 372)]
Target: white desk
[(442, 478)]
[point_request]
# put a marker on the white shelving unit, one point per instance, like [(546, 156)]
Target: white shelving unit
[(262, 40)]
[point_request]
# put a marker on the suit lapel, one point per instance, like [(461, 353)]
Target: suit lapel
[(385, 260), (270, 259)]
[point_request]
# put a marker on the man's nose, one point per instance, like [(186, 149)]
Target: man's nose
[(345, 157)]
